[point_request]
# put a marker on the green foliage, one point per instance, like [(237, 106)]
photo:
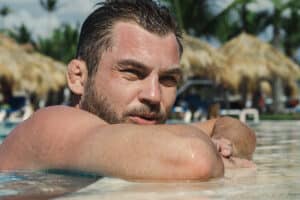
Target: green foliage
[(197, 18), (290, 25), (234, 20), (21, 34), (61, 45), (287, 116), (194, 15), (5, 10), (187, 13), (284, 19)]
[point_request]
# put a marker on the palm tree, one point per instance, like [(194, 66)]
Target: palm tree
[(4, 11), (65, 36), (22, 35), (49, 5), (194, 15), (283, 19)]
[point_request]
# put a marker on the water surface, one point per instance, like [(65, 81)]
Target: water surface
[(277, 177)]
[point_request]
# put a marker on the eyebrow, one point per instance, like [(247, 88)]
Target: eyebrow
[(175, 71), (143, 67), (134, 63)]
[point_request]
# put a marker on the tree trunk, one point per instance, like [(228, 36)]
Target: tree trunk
[(277, 93), (277, 87)]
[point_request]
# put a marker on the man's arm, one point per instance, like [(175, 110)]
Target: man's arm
[(69, 138)]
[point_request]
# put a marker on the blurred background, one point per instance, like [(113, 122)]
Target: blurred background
[(241, 57)]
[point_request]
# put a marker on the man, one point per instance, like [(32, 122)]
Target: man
[(124, 82)]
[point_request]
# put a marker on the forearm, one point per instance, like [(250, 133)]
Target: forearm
[(83, 142), (167, 152)]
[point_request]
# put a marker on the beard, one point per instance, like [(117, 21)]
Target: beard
[(100, 106)]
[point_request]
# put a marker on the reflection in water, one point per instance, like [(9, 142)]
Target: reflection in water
[(40, 185)]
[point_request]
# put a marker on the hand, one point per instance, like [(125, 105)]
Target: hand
[(224, 147), (243, 138), (235, 162)]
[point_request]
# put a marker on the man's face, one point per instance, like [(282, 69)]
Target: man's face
[(136, 79)]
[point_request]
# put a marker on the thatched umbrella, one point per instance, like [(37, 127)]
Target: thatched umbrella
[(254, 60), (29, 71), (201, 59)]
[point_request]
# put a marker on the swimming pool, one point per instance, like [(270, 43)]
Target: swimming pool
[(5, 128), (277, 175)]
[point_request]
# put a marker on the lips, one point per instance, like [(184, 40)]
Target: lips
[(144, 119)]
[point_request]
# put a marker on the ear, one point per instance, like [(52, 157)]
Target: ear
[(77, 76)]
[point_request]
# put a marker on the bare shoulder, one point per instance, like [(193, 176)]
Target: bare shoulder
[(58, 120), (43, 136), (63, 114)]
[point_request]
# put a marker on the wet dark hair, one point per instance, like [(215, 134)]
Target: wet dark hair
[(96, 31)]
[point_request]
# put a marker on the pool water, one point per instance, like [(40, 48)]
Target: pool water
[(5, 128), (277, 176), (39, 185)]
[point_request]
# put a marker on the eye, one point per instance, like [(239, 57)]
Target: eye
[(132, 74), (169, 81)]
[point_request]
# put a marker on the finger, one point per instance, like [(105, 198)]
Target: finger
[(226, 152), (216, 143)]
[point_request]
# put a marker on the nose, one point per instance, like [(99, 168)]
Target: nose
[(150, 92)]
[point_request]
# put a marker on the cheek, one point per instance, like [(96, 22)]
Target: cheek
[(169, 97), (119, 92)]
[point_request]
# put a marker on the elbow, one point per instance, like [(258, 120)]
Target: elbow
[(202, 162), (206, 164)]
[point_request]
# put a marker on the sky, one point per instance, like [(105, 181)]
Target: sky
[(30, 13), (41, 24)]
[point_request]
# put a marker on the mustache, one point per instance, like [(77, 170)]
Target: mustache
[(146, 112)]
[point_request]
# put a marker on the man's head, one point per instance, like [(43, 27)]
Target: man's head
[(123, 37)]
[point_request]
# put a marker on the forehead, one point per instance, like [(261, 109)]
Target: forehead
[(131, 41)]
